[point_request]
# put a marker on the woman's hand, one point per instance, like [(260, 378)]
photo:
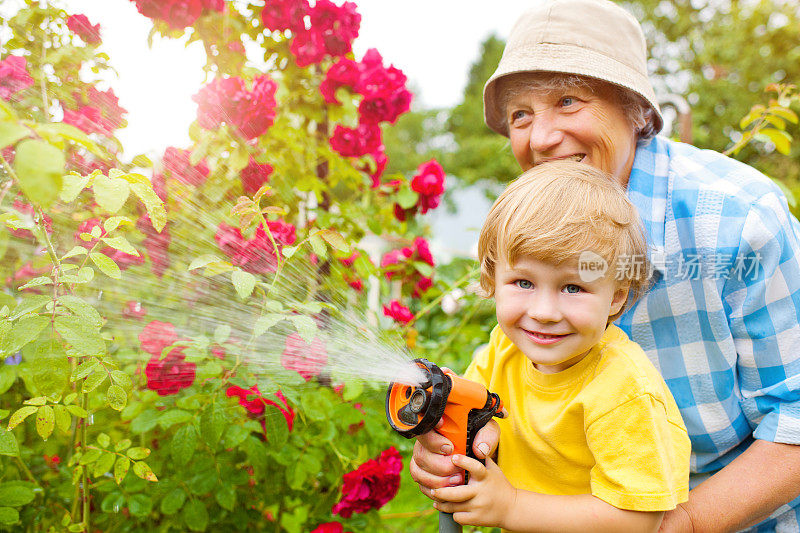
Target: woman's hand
[(485, 501)]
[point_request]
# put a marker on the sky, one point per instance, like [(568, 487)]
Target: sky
[(433, 42)]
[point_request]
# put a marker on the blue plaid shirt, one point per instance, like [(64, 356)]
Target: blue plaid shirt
[(721, 320)]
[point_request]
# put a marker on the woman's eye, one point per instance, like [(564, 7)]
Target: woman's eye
[(523, 284), (572, 289), (517, 115)]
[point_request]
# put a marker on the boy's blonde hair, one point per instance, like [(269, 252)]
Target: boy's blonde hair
[(557, 210)]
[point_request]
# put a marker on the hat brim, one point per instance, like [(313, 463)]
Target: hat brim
[(564, 59)]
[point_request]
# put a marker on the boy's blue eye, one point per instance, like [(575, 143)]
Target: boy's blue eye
[(567, 101), (523, 284), (572, 289)]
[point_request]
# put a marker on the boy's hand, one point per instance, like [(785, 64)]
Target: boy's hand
[(431, 465), (485, 501)]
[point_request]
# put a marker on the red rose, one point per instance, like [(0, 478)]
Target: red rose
[(256, 255), (429, 183), (176, 162), (371, 485), (169, 375), (157, 245), (254, 176), (422, 251), (398, 312), (133, 309), (252, 400), (285, 15), (86, 119), (156, 336), (80, 26), (178, 14), (344, 73), (14, 76), (97, 111), (349, 142), (308, 360), (332, 32), (227, 100)]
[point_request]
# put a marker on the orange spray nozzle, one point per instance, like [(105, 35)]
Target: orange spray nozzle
[(463, 405)]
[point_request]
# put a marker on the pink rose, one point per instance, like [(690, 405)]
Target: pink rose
[(80, 26), (398, 312)]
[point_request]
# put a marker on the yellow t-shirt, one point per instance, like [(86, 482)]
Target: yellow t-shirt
[(606, 426)]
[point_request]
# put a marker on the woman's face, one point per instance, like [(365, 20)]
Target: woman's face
[(583, 123)]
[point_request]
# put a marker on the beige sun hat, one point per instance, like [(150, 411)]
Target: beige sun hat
[(594, 38)]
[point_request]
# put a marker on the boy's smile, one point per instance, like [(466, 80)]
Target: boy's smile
[(550, 313)]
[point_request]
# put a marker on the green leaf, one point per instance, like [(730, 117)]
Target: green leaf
[(50, 368), (138, 453), (243, 282), (26, 330), (80, 308), (195, 515), (45, 421), (84, 338), (21, 414), (140, 505), (146, 421), (84, 369), (94, 380), (8, 443), (407, 198), (781, 139), (173, 501), (141, 469), (11, 132), (63, 418), (141, 160), (110, 193), (113, 223), (784, 112), (305, 326), (318, 245), (352, 390), (29, 305), (276, 429), (121, 244), (90, 456), (78, 411), (226, 497), (72, 187), (36, 282), (212, 425), (8, 375), (155, 207), (38, 401), (77, 250), (39, 167), (173, 416), (104, 464), (121, 467), (335, 240), (183, 444), (122, 379), (265, 322), (423, 268), (203, 260), (122, 445), (106, 265), (16, 494), (116, 397), (70, 133), (8, 515)]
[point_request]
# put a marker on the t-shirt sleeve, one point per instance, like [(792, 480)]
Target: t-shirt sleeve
[(641, 458), (763, 295)]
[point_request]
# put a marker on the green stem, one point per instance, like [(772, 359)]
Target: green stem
[(85, 476), (26, 470), (464, 321)]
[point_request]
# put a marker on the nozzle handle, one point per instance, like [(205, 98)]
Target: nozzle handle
[(447, 523)]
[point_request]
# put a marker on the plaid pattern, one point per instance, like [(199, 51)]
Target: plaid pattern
[(721, 321)]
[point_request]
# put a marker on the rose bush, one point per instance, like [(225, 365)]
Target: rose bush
[(168, 330)]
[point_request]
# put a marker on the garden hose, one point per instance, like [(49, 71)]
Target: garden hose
[(465, 407)]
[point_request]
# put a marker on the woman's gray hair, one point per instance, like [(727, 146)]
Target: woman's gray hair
[(640, 115)]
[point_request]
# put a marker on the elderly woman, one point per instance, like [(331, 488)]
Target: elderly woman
[(720, 321)]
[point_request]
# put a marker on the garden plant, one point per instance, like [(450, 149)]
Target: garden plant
[(203, 342)]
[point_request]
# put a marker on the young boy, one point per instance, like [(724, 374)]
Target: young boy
[(594, 441)]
